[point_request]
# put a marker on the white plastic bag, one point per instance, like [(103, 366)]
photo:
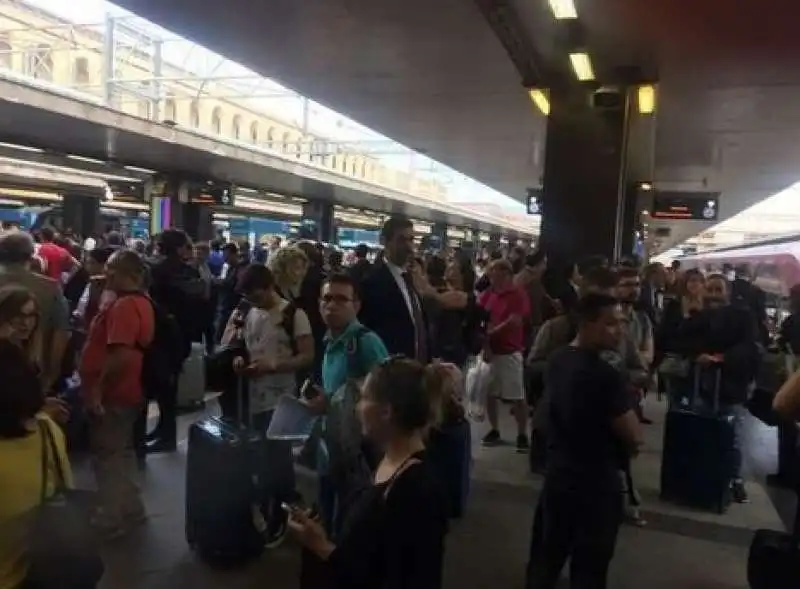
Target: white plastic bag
[(477, 388)]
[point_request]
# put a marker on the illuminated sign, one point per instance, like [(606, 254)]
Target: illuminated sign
[(210, 193), (696, 206), (125, 191), (534, 201)]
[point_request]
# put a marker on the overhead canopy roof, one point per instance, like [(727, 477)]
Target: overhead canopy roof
[(72, 125), (436, 77)]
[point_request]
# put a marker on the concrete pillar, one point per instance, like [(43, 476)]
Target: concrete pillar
[(317, 221), (81, 215), (584, 188)]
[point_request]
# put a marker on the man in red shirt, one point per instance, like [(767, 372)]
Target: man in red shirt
[(111, 367), (57, 260), (508, 307)]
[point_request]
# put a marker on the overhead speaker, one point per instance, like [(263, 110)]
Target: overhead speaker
[(608, 98)]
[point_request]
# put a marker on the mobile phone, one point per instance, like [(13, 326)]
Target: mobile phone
[(290, 509)]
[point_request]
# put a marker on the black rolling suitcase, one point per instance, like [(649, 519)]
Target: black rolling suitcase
[(699, 447), (774, 559), (222, 515)]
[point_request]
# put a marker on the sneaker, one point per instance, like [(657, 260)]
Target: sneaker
[(739, 492), (522, 444), (492, 438)]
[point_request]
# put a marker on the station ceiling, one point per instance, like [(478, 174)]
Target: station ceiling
[(438, 77)]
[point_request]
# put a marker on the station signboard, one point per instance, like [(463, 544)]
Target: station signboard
[(534, 201), (693, 206)]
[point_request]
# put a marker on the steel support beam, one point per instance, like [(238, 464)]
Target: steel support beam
[(507, 26)]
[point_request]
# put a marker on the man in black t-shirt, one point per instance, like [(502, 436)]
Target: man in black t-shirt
[(591, 426)]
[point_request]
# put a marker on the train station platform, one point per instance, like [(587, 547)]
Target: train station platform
[(488, 548)]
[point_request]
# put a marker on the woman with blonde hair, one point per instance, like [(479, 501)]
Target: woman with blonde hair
[(289, 266)]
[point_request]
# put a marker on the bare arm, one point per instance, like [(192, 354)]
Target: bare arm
[(787, 399)]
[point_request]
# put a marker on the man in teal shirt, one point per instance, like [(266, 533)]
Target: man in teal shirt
[(351, 352)]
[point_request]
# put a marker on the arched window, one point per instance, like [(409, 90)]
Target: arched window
[(344, 164), (216, 120), (286, 142), (298, 148), (363, 171), (271, 137), (194, 114), (254, 131), (335, 162), (6, 56), (236, 126), (40, 62), (170, 110), (80, 70), (353, 167)]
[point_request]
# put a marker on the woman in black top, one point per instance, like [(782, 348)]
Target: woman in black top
[(394, 529)]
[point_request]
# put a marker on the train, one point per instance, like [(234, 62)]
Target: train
[(774, 264)]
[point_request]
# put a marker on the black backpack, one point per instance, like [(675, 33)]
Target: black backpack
[(164, 356)]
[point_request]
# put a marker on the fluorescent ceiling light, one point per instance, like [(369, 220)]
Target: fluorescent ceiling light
[(267, 206), (21, 147), (582, 66), (563, 9), (646, 186), (539, 98), (646, 97)]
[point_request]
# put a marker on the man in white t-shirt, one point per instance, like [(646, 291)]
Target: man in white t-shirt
[(279, 343)]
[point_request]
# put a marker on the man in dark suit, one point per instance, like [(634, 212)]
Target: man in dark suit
[(391, 306)]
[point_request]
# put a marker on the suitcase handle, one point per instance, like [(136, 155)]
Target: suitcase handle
[(698, 373)]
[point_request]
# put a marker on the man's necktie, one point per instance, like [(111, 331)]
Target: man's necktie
[(420, 331)]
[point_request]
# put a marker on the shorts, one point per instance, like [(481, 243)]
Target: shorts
[(506, 379)]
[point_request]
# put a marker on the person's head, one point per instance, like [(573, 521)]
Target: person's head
[(125, 271), (230, 253), (335, 259), (361, 251), (600, 321), (16, 248), (536, 263), (501, 275), (47, 234), (19, 314), (397, 237), (115, 239), (400, 398), (629, 285), (275, 242), (675, 266), (794, 299), (22, 396), (693, 284), (656, 275), (201, 251), (289, 266), (743, 271), (313, 251), (459, 275), (716, 291), (339, 301), (436, 269), (174, 243), (96, 259), (586, 265), (599, 280), (257, 285)]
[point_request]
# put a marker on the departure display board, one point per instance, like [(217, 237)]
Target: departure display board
[(210, 193), (125, 191), (693, 206)]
